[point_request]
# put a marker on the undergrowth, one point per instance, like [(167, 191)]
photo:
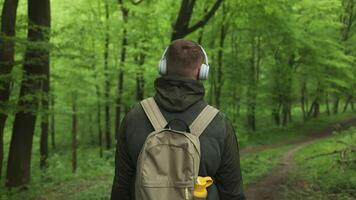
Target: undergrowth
[(326, 169)]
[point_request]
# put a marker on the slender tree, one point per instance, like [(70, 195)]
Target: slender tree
[(253, 78), (44, 119), (35, 62), (107, 80), (98, 104), (219, 75), (120, 84), (7, 52), (124, 44), (98, 115), (52, 124), (140, 80), (74, 131), (348, 21)]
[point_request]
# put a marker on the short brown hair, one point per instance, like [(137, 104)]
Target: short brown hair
[(183, 57)]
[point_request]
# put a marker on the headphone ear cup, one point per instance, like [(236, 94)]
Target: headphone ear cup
[(162, 67), (204, 72)]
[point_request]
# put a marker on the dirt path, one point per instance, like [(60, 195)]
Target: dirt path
[(269, 186)]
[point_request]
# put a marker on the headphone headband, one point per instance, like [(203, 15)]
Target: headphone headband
[(204, 69)]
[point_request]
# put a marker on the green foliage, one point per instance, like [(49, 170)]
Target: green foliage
[(326, 169)]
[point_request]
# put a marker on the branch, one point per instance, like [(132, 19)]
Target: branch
[(330, 153), (136, 2), (322, 154), (346, 161), (206, 18)]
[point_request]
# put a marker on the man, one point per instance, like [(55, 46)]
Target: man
[(179, 95)]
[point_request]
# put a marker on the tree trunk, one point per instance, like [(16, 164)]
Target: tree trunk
[(44, 120), (287, 94), (352, 105), (236, 106), (120, 85), (253, 73), (336, 105), (53, 130), (219, 77), (181, 26), (90, 127), (236, 75), (140, 80), (107, 81), (276, 110), (314, 110), (74, 132), (98, 97), (327, 103), (303, 98), (36, 60), (98, 116), (348, 101), (7, 52), (277, 93)]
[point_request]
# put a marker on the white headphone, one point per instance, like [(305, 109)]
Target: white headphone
[(204, 69)]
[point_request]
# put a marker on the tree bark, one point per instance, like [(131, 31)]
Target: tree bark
[(181, 27), (348, 101), (98, 103), (327, 103), (44, 120), (276, 109), (100, 132), (236, 98), (219, 83), (36, 60), (287, 92), (107, 81), (140, 79), (7, 52), (120, 85), (314, 110), (347, 19), (253, 74), (336, 105), (303, 99), (74, 132), (53, 130)]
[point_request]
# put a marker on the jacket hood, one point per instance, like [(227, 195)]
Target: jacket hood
[(176, 94)]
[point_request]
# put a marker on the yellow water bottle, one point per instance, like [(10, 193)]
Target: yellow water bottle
[(202, 183)]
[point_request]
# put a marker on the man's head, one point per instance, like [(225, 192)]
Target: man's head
[(184, 58)]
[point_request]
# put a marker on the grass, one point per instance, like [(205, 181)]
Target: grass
[(326, 169), (268, 134), (94, 174)]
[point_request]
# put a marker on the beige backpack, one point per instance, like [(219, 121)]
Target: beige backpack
[(168, 164)]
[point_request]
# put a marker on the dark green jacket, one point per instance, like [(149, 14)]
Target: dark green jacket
[(182, 99)]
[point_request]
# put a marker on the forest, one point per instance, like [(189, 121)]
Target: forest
[(283, 71)]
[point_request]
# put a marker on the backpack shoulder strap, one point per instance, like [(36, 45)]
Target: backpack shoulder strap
[(203, 120), (153, 113)]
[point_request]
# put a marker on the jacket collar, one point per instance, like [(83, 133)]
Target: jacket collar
[(176, 94)]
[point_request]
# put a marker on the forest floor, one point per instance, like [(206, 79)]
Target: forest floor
[(270, 186), (269, 163)]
